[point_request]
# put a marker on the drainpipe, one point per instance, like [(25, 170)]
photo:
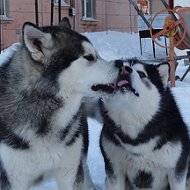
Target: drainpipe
[(52, 12), (59, 12), (36, 12), (131, 29)]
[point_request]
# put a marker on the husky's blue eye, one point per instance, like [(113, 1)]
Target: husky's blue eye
[(141, 74), (89, 57)]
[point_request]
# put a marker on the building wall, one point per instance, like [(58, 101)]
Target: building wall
[(111, 15), (115, 15), (156, 6), (20, 12)]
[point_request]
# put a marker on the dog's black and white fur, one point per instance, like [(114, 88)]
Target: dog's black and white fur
[(42, 120), (144, 140)]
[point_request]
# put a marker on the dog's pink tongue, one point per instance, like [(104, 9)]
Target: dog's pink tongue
[(122, 83)]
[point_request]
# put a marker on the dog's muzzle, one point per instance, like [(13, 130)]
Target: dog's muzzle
[(107, 88), (123, 82)]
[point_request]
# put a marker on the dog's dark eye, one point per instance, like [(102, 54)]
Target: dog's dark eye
[(89, 57), (141, 74)]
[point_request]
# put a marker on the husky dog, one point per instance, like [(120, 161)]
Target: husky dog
[(41, 115), (144, 140)]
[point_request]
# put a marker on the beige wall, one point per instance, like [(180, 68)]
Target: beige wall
[(24, 11)]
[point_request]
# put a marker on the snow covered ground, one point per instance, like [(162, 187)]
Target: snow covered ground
[(115, 45)]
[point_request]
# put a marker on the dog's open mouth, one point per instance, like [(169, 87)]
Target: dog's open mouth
[(106, 88), (123, 84)]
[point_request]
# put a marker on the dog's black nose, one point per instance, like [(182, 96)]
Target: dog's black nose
[(125, 70), (118, 63)]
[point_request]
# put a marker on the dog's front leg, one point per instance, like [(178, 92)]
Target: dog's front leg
[(177, 182), (66, 178)]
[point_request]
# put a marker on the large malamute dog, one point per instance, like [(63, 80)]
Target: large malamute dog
[(144, 141), (41, 117)]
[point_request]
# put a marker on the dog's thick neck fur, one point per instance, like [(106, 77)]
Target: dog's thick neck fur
[(132, 112), (127, 116), (22, 90)]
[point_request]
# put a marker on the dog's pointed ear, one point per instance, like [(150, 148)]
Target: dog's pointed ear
[(35, 40), (65, 22), (164, 71)]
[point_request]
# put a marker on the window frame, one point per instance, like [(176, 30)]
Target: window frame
[(85, 11), (63, 2), (3, 9), (5, 15)]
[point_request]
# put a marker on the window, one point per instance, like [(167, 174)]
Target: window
[(63, 2), (2, 8), (89, 9)]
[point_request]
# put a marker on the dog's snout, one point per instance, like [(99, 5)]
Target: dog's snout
[(128, 69), (125, 70), (118, 63)]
